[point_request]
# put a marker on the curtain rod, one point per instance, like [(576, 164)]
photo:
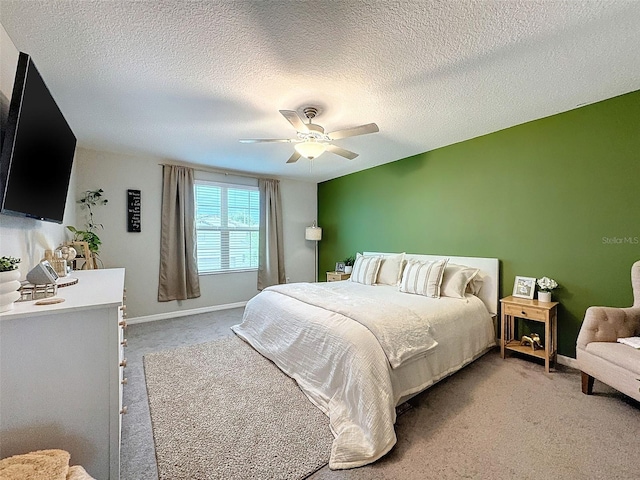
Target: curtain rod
[(214, 170)]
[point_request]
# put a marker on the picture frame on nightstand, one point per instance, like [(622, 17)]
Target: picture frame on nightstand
[(340, 267), (524, 287)]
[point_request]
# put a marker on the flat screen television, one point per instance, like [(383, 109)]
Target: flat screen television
[(37, 150)]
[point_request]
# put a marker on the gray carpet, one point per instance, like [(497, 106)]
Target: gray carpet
[(507, 419), (498, 419), (220, 410), (137, 453)]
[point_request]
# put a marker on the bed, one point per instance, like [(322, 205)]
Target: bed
[(358, 350)]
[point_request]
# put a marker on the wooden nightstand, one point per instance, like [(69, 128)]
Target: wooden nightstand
[(545, 312), (337, 276)]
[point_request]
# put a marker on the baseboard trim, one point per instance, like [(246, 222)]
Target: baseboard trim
[(567, 361), (183, 313)]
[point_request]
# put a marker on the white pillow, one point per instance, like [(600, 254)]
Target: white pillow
[(456, 279), (423, 278), (475, 284), (390, 271), (365, 269)]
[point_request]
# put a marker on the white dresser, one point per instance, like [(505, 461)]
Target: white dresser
[(61, 374)]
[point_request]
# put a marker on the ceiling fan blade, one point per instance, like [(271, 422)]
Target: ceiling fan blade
[(265, 140), (352, 132), (294, 158), (342, 152), (295, 120)]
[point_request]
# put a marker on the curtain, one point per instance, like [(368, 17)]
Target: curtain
[(178, 278), (271, 251)]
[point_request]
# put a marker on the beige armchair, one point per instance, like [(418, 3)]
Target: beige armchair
[(599, 356)]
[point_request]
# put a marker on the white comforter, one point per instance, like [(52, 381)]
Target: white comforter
[(402, 333), (340, 364)]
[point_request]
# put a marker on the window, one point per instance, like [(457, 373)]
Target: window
[(227, 221)]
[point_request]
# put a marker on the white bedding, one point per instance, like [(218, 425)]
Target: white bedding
[(343, 369), (402, 332)]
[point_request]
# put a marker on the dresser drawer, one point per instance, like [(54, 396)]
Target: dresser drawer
[(525, 311)]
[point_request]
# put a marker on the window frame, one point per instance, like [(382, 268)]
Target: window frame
[(224, 228)]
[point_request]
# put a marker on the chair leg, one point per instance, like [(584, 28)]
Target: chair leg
[(587, 384)]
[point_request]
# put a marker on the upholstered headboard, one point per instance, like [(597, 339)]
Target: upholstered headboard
[(489, 269)]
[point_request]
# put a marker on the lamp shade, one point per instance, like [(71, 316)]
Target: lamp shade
[(313, 233), (310, 149)]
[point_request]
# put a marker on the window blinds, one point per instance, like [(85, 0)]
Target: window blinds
[(227, 222)]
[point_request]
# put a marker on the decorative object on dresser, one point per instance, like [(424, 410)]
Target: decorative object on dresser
[(9, 282), (62, 371), (314, 234), (42, 274), (524, 287), (546, 312), (340, 267), (599, 353), (83, 254), (67, 252), (29, 291), (61, 259), (545, 286), (56, 261)]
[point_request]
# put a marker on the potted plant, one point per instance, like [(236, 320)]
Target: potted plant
[(9, 282), (90, 199), (545, 286), (348, 264), (8, 264)]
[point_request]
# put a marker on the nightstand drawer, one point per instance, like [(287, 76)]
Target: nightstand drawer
[(337, 276), (525, 311)]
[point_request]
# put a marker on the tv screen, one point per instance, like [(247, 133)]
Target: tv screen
[(37, 150)]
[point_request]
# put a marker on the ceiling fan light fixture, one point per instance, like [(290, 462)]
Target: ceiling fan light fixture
[(311, 141), (310, 149)]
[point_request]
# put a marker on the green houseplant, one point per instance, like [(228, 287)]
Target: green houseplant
[(7, 264), (90, 199), (348, 263)]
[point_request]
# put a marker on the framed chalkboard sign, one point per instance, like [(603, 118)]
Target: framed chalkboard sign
[(133, 210)]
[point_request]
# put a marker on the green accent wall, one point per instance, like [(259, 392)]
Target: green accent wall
[(556, 197)]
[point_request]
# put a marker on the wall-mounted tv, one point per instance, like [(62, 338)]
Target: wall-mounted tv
[(37, 150)]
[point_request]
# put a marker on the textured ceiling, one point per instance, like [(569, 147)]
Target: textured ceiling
[(184, 80)]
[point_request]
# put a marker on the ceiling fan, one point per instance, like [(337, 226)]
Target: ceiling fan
[(311, 141)]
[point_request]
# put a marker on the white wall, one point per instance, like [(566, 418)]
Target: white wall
[(26, 238), (139, 253), (299, 209)]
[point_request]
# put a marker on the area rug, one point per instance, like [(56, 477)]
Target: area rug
[(220, 410)]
